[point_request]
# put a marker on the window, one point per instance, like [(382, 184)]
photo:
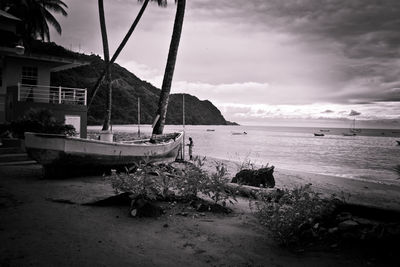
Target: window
[(29, 75)]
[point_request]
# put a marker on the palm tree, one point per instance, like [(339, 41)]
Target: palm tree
[(170, 67), (36, 15), (107, 117), (117, 52)]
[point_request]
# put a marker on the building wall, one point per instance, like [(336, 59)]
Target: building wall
[(59, 112), (12, 73)]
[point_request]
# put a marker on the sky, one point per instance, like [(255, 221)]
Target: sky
[(261, 61)]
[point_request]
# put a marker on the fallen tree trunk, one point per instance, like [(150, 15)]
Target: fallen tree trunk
[(251, 191)]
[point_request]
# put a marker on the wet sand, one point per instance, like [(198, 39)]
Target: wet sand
[(380, 195)]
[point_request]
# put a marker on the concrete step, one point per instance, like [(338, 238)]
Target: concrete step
[(10, 150), (13, 157), (11, 163)]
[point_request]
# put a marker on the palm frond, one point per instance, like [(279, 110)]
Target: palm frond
[(52, 20)]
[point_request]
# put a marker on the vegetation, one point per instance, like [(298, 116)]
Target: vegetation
[(107, 117), (166, 182), (36, 15), (295, 216), (40, 121), (170, 67), (127, 88)]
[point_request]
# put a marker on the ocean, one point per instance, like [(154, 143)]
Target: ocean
[(372, 155)]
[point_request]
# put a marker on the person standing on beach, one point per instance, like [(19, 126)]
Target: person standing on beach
[(190, 148)]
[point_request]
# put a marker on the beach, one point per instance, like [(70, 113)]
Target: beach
[(354, 191), (44, 222)]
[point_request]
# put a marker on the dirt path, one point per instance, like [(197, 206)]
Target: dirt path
[(39, 227)]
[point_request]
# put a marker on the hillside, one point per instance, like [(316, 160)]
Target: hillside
[(126, 90)]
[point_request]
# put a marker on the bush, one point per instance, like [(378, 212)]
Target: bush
[(193, 179), (40, 121), (162, 181), (215, 185), (147, 181), (295, 215)]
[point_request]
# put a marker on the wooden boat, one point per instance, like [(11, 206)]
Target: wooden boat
[(239, 133), (398, 142), (210, 130), (60, 151), (349, 134), (319, 134)]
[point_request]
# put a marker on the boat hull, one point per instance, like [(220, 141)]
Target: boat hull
[(58, 150)]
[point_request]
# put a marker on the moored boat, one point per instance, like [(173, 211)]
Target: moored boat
[(239, 133), (60, 151), (398, 142), (319, 134)]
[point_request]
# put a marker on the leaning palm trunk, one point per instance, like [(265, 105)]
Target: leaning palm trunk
[(117, 52), (107, 117), (170, 67)]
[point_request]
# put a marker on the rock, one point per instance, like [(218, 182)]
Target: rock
[(348, 225), (263, 176), (202, 207), (143, 208), (344, 216), (365, 222), (333, 230)]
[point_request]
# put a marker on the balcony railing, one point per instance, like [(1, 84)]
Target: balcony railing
[(52, 94)]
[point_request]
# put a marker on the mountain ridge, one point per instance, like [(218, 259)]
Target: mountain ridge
[(127, 88)]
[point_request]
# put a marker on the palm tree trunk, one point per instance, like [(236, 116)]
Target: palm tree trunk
[(170, 67), (118, 51), (107, 117)]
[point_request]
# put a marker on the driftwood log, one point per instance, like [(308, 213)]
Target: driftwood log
[(251, 191)]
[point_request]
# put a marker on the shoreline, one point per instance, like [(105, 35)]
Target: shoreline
[(354, 191)]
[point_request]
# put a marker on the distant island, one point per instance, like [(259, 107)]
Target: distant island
[(126, 89)]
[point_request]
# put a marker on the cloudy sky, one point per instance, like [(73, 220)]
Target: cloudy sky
[(260, 61)]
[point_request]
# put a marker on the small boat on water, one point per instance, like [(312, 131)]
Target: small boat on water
[(210, 130), (349, 134), (239, 133), (319, 134), (398, 142), (59, 151)]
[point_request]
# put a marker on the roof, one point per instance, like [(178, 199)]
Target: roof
[(6, 15)]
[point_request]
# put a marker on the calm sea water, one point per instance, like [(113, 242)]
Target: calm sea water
[(371, 155)]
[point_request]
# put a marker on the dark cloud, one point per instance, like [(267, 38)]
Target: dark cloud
[(363, 34)]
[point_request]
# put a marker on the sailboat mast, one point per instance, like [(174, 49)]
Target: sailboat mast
[(138, 117), (183, 123)]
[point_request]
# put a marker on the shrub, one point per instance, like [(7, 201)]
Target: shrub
[(193, 179), (147, 181), (291, 214), (40, 121), (215, 185), (153, 181)]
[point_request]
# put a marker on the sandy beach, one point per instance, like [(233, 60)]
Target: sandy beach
[(44, 223), (380, 195)]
